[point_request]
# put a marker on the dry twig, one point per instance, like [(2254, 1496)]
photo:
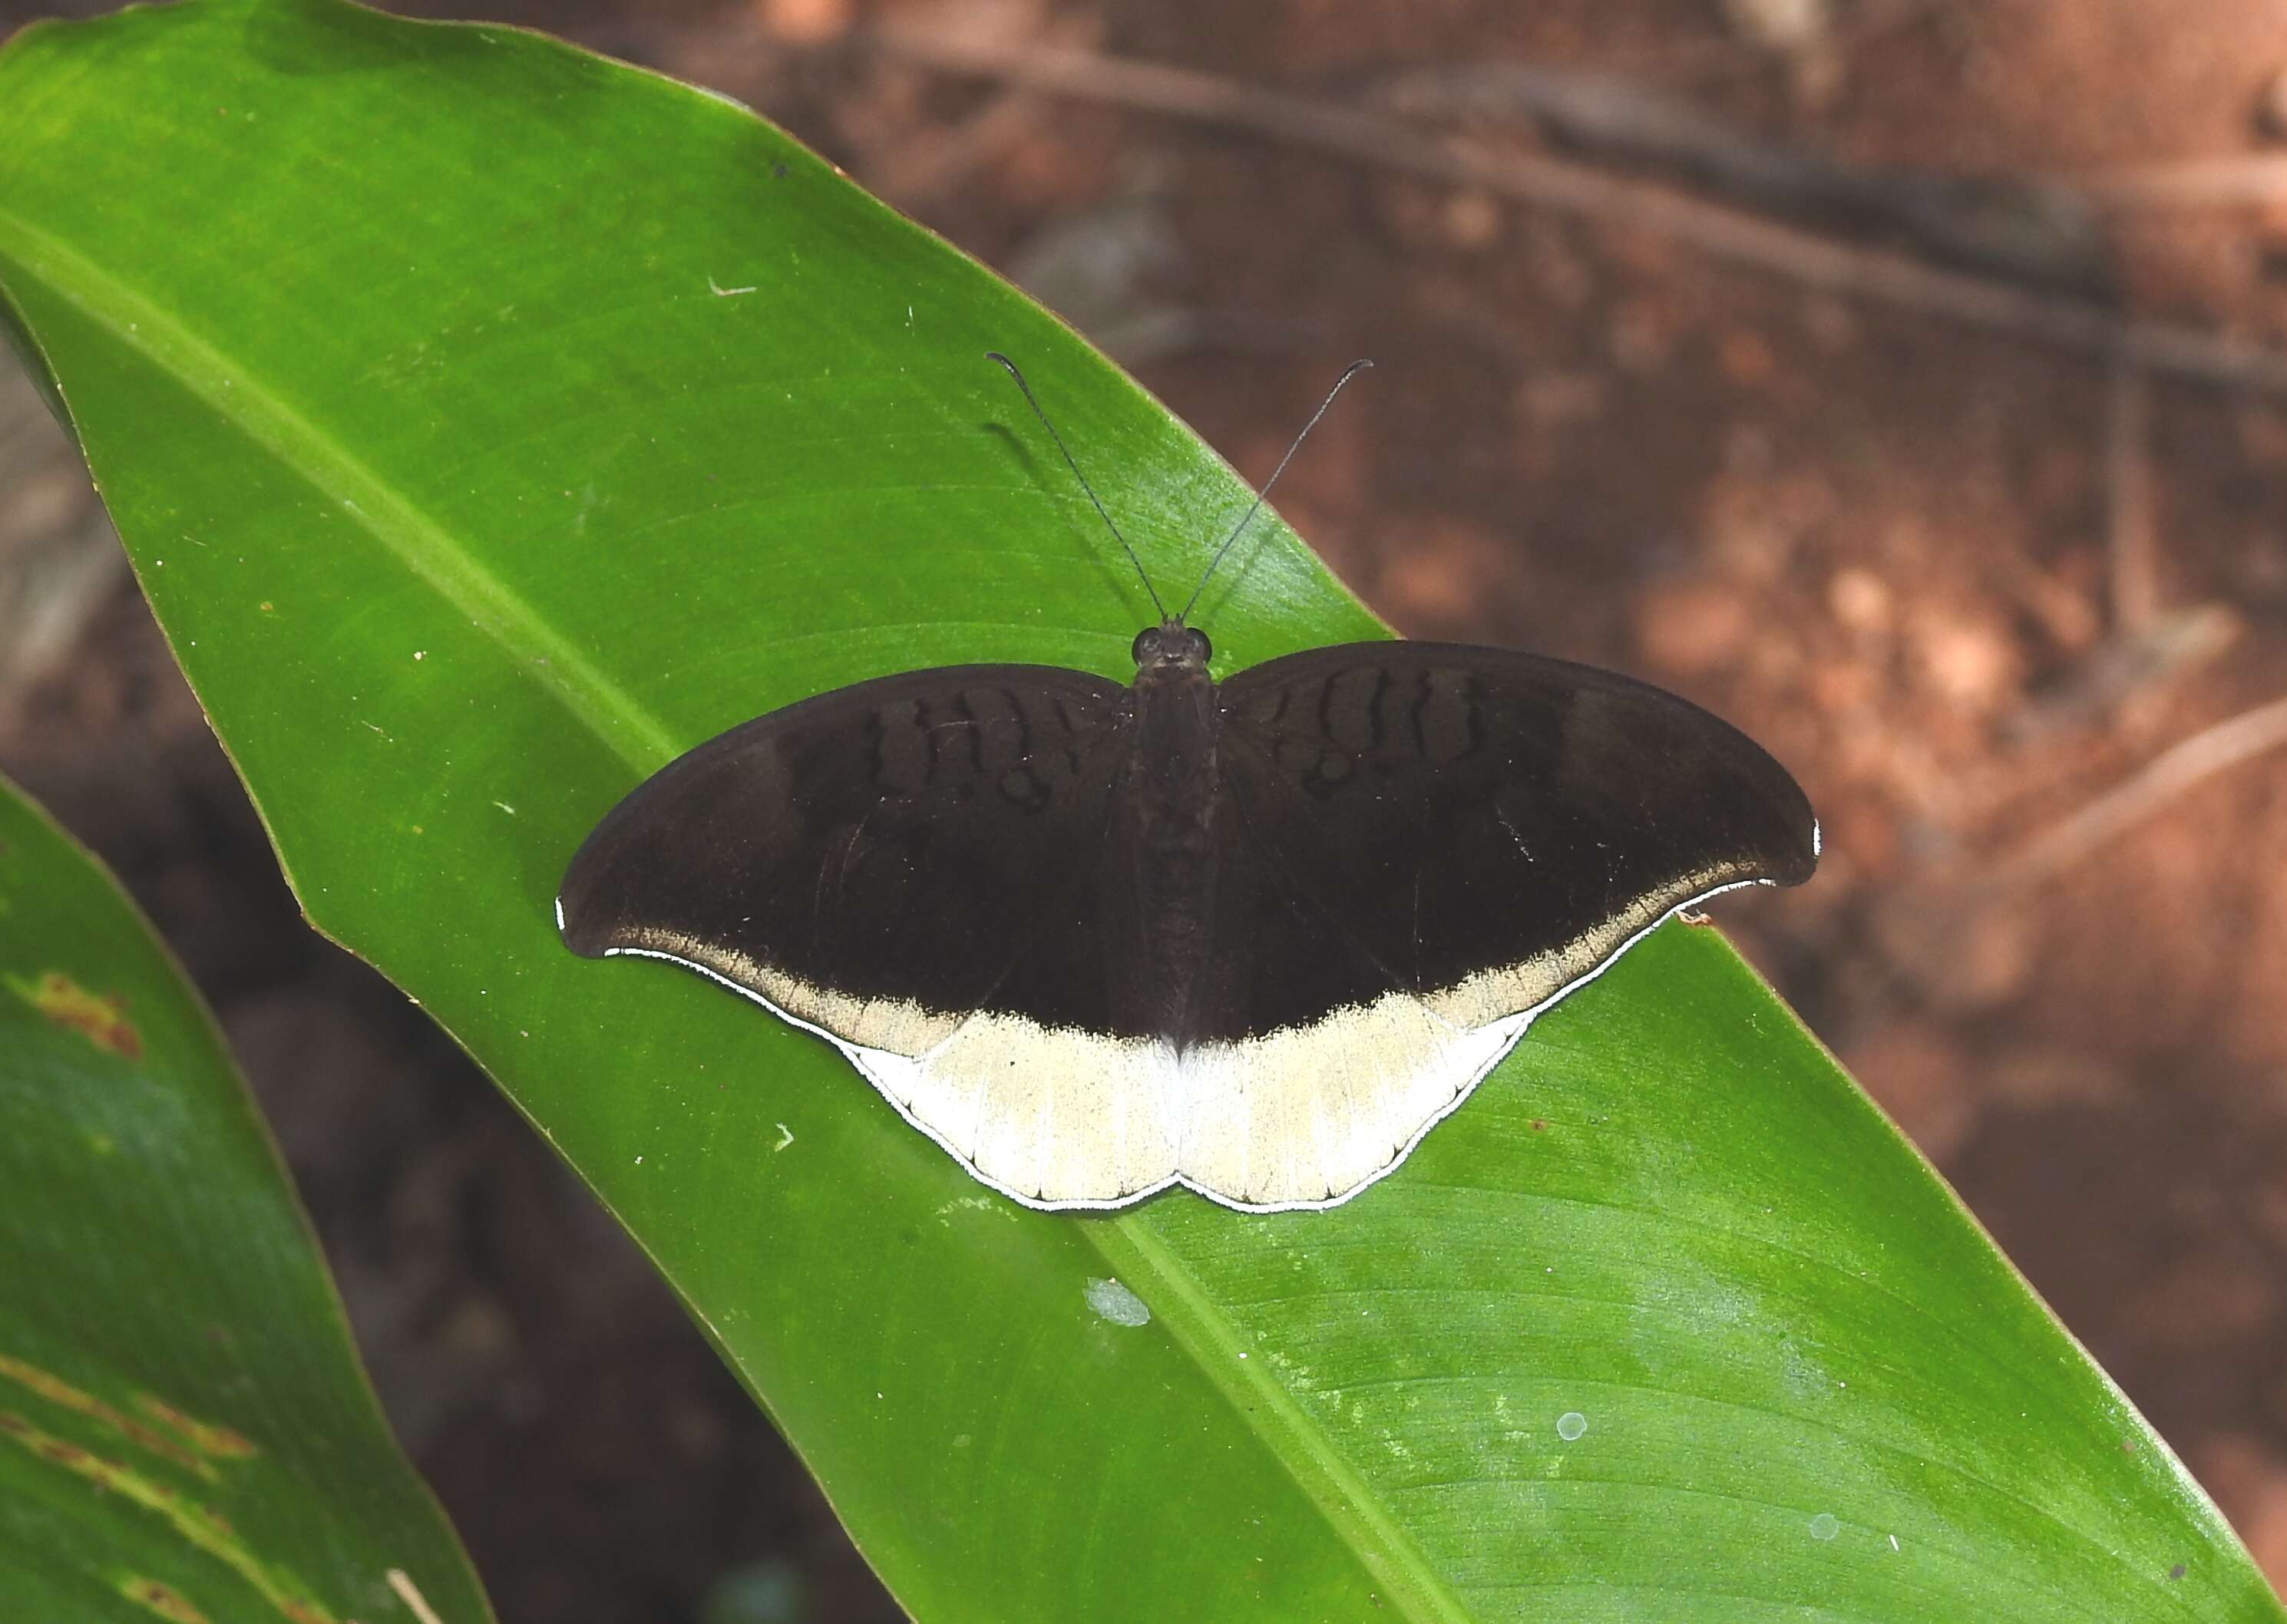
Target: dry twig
[(2191, 183), (1395, 143), (2144, 792), (2135, 586), (2027, 230)]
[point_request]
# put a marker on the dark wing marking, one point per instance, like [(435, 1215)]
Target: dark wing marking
[(908, 837), (1456, 810)]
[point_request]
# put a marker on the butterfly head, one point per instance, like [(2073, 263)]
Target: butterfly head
[(1172, 644)]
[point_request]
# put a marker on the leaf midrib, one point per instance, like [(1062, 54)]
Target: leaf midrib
[(1343, 1497), (425, 548), (643, 742)]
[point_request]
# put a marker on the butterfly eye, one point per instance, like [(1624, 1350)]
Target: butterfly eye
[(1146, 644), (1197, 646)]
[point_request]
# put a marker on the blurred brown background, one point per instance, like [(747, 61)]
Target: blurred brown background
[(1904, 379)]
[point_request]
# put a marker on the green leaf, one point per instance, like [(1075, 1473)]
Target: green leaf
[(185, 1432), (490, 423)]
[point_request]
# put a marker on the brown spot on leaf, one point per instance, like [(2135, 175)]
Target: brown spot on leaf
[(165, 1600), (199, 1525), (101, 1018), (205, 1436), (56, 1390)]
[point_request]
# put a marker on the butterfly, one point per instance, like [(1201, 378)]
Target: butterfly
[(1254, 937)]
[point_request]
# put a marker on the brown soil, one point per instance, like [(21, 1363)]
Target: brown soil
[(1923, 561)]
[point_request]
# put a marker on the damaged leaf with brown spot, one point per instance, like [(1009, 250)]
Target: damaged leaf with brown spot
[(147, 1465), (101, 1018)]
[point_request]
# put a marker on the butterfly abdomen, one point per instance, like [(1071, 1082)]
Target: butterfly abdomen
[(1164, 842)]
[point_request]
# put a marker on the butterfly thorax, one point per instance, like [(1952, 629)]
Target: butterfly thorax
[(1171, 797)]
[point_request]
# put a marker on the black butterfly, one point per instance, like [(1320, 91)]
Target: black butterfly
[(1254, 937)]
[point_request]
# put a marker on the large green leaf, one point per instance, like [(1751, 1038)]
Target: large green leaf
[(489, 423), (184, 1429)]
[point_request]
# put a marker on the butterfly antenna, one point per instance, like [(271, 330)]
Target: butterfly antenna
[(994, 355), (1214, 563)]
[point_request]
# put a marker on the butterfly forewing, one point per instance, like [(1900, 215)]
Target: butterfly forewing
[(875, 861), (1473, 818)]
